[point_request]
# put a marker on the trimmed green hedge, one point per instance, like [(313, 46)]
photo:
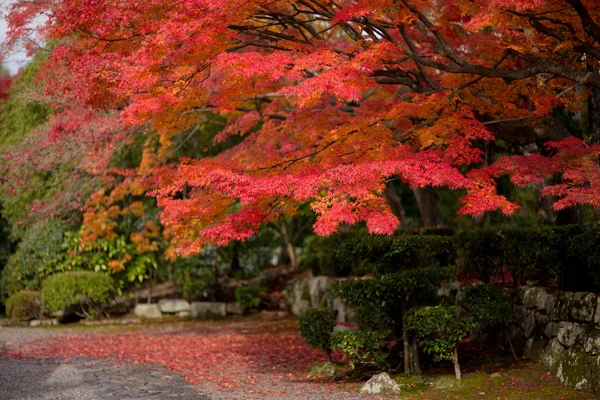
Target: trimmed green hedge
[(358, 253), (83, 288), (24, 305), (569, 255)]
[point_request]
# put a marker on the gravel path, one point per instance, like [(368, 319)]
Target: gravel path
[(82, 379)]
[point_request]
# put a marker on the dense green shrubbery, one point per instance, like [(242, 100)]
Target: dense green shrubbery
[(361, 347), (358, 253), (37, 255), (316, 327), (568, 254), (24, 305), (380, 302), (85, 290), (249, 297), (487, 305)]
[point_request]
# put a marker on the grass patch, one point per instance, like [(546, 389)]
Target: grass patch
[(528, 382)]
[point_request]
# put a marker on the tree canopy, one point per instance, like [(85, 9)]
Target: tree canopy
[(328, 100)]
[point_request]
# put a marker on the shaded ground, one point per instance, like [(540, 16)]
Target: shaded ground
[(45, 379), (239, 358), (232, 359)]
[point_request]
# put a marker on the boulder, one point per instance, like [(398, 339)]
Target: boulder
[(584, 306), (318, 288), (495, 375), (535, 297), (43, 322), (184, 314), (541, 319), (147, 311), (591, 342), (551, 330), (564, 303), (550, 305), (529, 323), (534, 348), (173, 306), (343, 313), (521, 315), (380, 384), (233, 308), (597, 316), (569, 333), (208, 309)]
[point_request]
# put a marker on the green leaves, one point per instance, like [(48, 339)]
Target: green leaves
[(439, 329), (316, 326), (38, 254), (249, 297), (361, 347), (86, 288), (486, 304)]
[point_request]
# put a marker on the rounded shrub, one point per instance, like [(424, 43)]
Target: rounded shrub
[(86, 289), (249, 297), (315, 326), (36, 256), (24, 305), (362, 347)]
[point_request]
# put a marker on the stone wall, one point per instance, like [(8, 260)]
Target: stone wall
[(182, 308), (562, 330), (302, 294), (559, 329)]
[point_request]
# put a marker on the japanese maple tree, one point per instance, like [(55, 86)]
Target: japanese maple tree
[(331, 98)]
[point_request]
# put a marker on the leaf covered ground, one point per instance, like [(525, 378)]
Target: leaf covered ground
[(260, 358)]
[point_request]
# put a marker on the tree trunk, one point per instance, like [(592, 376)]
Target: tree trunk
[(415, 356), (569, 216), (235, 265), (281, 230), (456, 364), (544, 204), (411, 355), (393, 200), (430, 216), (149, 300)]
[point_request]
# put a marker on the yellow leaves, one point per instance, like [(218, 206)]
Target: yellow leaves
[(136, 208), (118, 265), (149, 161), (142, 239)]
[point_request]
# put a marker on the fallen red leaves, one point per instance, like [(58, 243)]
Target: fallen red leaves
[(216, 360)]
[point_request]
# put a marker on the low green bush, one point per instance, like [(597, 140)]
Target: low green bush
[(361, 347), (85, 290), (316, 326), (439, 329), (249, 297), (24, 305)]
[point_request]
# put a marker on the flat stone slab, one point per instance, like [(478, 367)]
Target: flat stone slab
[(173, 306), (149, 311), (208, 309)]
